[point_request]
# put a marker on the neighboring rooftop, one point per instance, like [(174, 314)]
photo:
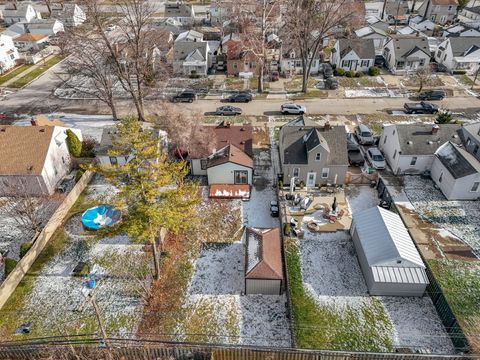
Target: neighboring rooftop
[(457, 161), (419, 139), (28, 37), (24, 149)]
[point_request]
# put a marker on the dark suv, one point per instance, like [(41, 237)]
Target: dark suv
[(240, 97), (185, 96), (432, 95)]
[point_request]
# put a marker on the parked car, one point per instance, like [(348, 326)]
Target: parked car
[(379, 61), (240, 97), (3, 116), (327, 70), (364, 135), (355, 158), (110, 27), (220, 66), (185, 96), (274, 76), (274, 211), (352, 143), (375, 157), (294, 109), (331, 83), (433, 95), (420, 108), (228, 110)]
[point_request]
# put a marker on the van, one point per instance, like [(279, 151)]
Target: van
[(185, 96), (364, 135), (432, 95)]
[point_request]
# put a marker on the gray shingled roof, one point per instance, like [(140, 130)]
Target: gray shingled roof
[(457, 161), (473, 129), (474, 9), (364, 48), (183, 48), (406, 45), (463, 43), (295, 149), (417, 139)]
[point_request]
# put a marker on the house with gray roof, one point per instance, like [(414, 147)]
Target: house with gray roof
[(410, 148), (406, 53), (181, 12), (456, 172), (439, 11), (13, 13), (354, 54), (389, 260), (470, 135), (313, 154), (462, 29), (71, 15), (471, 13), (395, 12), (378, 35), (191, 58), (459, 53), (49, 27)]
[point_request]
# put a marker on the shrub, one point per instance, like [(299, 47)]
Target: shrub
[(359, 74), (286, 229), (79, 174), (350, 73), (459, 72), (373, 71), (88, 144), (301, 185), (444, 118), (24, 248), (339, 72), (280, 184), (73, 143), (9, 265)]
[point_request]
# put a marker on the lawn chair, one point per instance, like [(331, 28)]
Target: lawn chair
[(340, 214)]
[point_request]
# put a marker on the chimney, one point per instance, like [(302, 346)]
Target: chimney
[(228, 124), (327, 126), (33, 122), (435, 129)]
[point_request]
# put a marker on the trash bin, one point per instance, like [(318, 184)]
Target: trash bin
[(91, 283)]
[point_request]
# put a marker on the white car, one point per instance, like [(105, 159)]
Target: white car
[(375, 157), (111, 27), (293, 109)]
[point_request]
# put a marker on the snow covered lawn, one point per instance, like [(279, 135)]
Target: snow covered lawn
[(332, 278), (361, 197), (460, 218)]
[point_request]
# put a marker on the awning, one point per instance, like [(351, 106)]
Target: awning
[(229, 191)]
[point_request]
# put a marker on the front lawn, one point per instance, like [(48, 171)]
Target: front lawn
[(295, 84), (24, 80), (17, 71)]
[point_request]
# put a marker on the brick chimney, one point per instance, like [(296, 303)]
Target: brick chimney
[(327, 126), (435, 129), (33, 122)]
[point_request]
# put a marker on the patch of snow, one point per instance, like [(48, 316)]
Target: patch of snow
[(253, 250), (374, 93), (361, 198)]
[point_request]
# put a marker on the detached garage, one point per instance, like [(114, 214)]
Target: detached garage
[(264, 267), (389, 260)]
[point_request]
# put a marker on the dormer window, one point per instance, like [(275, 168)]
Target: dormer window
[(318, 156)]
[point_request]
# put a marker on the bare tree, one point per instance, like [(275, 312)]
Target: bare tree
[(133, 50), (185, 130), (30, 213), (311, 23), (422, 76)]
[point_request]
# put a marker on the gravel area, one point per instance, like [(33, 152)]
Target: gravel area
[(461, 218)]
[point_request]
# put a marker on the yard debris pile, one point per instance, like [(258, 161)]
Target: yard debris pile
[(460, 218)]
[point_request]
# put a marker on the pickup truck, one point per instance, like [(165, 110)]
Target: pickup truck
[(420, 108)]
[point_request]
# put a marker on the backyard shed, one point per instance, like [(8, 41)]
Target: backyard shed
[(264, 266), (389, 260)]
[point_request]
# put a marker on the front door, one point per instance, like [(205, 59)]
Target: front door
[(311, 177)]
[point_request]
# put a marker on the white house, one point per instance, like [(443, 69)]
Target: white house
[(33, 158), (49, 27), (291, 63), (19, 12), (263, 262), (439, 11), (471, 13), (459, 53), (28, 41), (462, 30), (230, 165), (191, 54), (181, 12), (404, 53), (389, 260), (456, 172), (410, 148), (354, 54), (8, 53), (378, 35), (421, 24), (471, 138), (71, 15)]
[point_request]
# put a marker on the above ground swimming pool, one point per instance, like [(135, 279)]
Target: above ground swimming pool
[(100, 216)]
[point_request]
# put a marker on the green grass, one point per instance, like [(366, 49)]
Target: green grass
[(13, 73), (310, 94), (296, 83), (465, 80), (324, 327), (11, 315), (24, 80), (213, 119)]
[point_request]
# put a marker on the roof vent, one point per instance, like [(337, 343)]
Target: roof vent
[(242, 129), (435, 129), (30, 168), (42, 130), (242, 142), (455, 136), (3, 129), (429, 142), (409, 142)]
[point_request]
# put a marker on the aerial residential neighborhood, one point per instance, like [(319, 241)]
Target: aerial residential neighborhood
[(240, 179)]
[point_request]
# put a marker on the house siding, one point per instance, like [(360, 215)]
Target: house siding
[(225, 173), (351, 61), (339, 170), (263, 287), (196, 167)]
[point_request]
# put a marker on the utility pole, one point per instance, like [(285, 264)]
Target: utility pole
[(476, 75)]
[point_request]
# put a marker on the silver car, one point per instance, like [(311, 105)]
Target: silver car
[(228, 110), (364, 135), (293, 109), (375, 157)]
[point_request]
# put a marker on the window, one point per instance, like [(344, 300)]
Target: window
[(241, 176), (63, 160), (475, 149), (203, 164), (296, 172), (113, 160), (475, 186), (469, 141), (385, 139), (422, 62), (440, 178), (126, 159), (393, 133), (325, 172), (234, 65), (413, 161), (318, 156), (365, 63), (298, 63), (345, 63), (444, 57), (409, 64), (400, 64), (395, 153)]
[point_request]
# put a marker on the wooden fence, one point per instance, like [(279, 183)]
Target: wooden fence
[(360, 178), (13, 279)]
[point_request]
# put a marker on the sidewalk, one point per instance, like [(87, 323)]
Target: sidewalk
[(28, 71)]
